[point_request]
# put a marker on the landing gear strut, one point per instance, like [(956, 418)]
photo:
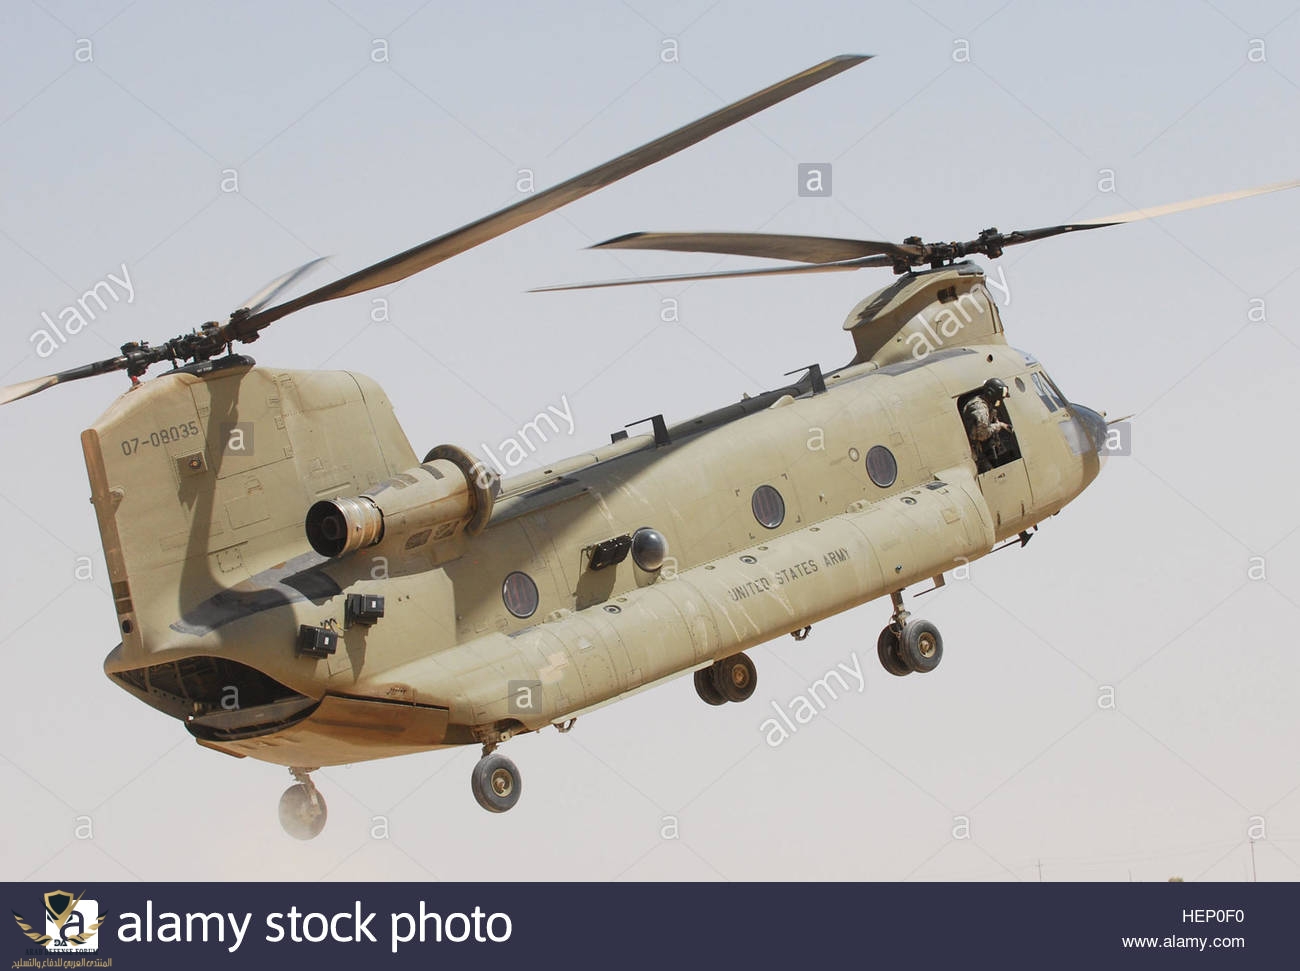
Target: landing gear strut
[(733, 678), (302, 807), (908, 645)]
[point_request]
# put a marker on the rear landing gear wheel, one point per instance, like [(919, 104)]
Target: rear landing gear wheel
[(302, 808), (921, 647), (706, 689), (887, 648), (735, 677), (496, 783)]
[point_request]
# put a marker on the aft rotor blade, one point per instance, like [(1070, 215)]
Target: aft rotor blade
[(803, 249), (1137, 215), (723, 274), (277, 286), (428, 254), (25, 389)]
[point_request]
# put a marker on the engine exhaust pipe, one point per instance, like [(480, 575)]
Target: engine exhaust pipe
[(450, 494), (339, 526)]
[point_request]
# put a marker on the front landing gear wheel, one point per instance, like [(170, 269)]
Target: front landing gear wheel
[(706, 689), (496, 783), (887, 648), (302, 811), (735, 677), (921, 647)]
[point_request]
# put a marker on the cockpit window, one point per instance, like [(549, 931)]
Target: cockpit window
[(1056, 392), (1049, 394), (1044, 392)]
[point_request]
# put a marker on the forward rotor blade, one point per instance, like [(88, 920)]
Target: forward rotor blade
[(25, 389), (428, 254), (277, 286), (723, 274), (803, 249), (1137, 215)]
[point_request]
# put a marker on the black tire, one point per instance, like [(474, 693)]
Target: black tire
[(302, 817), (706, 689), (921, 647), (735, 677), (887, 649), (496, 783)]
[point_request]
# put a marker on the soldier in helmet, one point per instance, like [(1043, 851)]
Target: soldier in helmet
[(982, 424)]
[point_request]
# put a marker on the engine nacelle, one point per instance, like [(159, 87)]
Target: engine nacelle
[(451, 492)]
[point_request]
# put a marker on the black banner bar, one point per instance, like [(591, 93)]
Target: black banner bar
[(631, 926)]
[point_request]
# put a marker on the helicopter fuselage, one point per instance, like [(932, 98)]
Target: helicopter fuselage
[(777, 511)]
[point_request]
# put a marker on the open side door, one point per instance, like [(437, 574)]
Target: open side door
[(1000, 469)]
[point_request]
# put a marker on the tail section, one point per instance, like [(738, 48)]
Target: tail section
[(200, 481)]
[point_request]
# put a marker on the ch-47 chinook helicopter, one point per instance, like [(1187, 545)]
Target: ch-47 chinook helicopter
[(295, 585)]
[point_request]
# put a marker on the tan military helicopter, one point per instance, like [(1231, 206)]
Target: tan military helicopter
[(295, 585)]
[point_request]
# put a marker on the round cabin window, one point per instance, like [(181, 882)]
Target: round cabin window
[(520, 594), (768, 506), (882, 466)]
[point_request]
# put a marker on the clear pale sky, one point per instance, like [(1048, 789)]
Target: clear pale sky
[(972, 115)]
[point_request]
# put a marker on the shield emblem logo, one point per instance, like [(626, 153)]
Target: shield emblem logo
[(66, 918), (59, 904)]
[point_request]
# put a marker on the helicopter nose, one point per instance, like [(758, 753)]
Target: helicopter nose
[(1094, 423)]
